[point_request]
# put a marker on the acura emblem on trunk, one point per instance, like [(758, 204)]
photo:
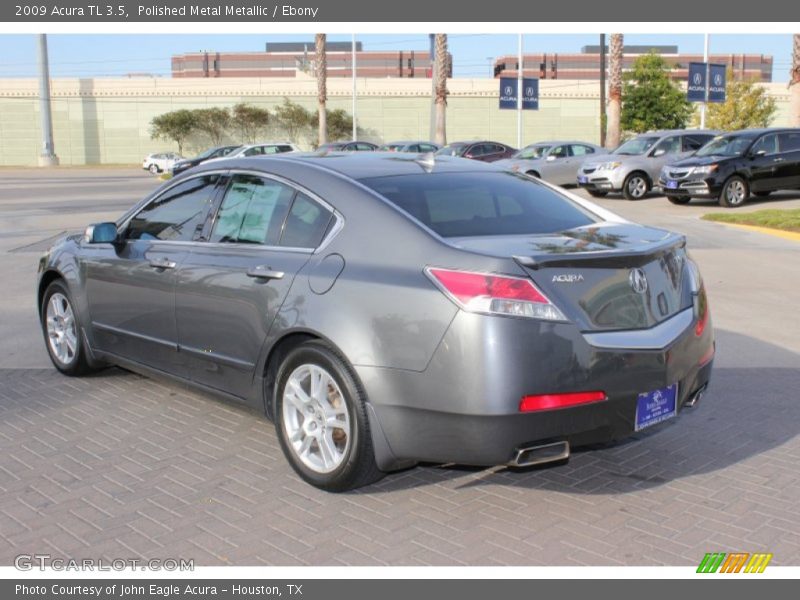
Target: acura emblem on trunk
[(638, 281)]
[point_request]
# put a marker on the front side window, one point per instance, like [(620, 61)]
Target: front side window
[(560, 152), (766, 145), (480, 204), (252, 211), (670, 145), (178, 214)]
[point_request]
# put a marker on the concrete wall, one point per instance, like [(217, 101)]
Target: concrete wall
[(106, 121)]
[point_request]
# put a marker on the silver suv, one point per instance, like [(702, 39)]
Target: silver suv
[(635, 165)]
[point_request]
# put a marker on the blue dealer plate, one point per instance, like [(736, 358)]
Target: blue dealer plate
[(672, 184), (656, 406), (582, 179)]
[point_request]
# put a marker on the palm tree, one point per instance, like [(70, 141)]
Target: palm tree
[(614, 90), (440, 76), (322, 87), (794, 84)]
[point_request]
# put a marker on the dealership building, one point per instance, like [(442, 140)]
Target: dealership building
[(586, 64), (288, 59)]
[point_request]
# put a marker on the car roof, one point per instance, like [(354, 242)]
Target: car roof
[(359, 165), (554, 142), (407, 142), (665, 132), (761, 130)]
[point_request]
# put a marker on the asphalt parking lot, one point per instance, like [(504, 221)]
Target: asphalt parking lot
[(120, 466)]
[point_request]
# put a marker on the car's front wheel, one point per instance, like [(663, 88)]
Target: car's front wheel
[(154, 169), (321, 419), (735, 192), (62, 332), (636, 186)]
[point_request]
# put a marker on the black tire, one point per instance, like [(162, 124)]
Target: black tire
[(679, 199), (597, 193), (734, 193), (761, 194), (637, 186), (74, 363), (154, 169), (357, 467)]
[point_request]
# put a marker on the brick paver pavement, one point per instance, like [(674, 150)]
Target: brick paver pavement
[(121, 466)]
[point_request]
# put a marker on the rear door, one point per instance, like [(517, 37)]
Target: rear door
[(764, 162), (788, 168), (130, 285), (231, 286)]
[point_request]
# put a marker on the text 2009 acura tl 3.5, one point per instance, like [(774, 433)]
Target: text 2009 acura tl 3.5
[(386, 309)]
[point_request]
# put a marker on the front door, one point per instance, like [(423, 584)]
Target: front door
[(764, 162), (130, 285), (230, 288)]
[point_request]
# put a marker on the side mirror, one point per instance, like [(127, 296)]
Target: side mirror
[(551, 158), (659, 152), (759, 153), (101, 233), (468, 155)]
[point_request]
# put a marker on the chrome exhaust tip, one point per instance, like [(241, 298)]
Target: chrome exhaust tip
[(539, 455), (696, 397)]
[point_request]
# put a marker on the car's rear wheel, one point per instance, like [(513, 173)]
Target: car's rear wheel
[(154, 169), (597, 193), (734, 193), (321, 419), (62, 331), (636, 186), (679, 199)]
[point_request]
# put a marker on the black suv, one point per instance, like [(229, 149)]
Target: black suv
[(733, 166)]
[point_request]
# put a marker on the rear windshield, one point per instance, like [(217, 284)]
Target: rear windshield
[(481, 204)]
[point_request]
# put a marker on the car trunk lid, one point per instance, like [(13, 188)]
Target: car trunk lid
[(604, 276)]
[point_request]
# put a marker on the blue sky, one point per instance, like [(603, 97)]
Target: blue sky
[(114, 55)]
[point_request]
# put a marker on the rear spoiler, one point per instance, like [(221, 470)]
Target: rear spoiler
[(603, 258)]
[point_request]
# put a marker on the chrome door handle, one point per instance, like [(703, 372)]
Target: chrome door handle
[(163, 263), (778, 159), (264, 272)]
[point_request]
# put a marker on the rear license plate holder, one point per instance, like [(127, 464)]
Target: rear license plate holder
[(656, 406)]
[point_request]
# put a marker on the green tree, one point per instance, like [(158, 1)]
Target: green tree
[(249, 121), (340, 124), (295, 120), (175, 126), (650, 99), (746, 105), (213, 122)]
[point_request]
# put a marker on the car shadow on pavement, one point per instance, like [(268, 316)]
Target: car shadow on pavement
[(748, 421)]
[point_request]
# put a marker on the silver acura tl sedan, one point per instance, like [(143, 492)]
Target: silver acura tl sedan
[(385, 309)]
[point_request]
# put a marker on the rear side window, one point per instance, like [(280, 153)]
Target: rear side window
[(252, 211), (177, 214), (581, 150), (789, 142), (481, 204), (306, 224)]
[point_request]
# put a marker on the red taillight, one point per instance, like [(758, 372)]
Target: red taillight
[(702, 309), (553, 401), (496, 294)]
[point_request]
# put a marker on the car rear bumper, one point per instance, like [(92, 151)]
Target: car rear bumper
[(464, 408)]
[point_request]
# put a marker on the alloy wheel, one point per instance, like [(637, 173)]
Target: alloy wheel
[(316, 418), (62, 334), (735, 193)]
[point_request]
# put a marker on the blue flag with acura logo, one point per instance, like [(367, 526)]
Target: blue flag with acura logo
[(696, 90), (530, 93), (716, 83), (696, 85)]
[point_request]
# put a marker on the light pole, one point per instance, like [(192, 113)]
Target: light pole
[(705, 92), (519, 91), (48, 156), (353, 63)]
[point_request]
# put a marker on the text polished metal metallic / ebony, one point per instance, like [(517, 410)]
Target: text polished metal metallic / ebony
[(385, 309)]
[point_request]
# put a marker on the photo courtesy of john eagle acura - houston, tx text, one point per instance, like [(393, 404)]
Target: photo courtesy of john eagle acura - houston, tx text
[(387, 309)]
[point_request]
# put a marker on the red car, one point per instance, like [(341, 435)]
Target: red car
[(480, 150)]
